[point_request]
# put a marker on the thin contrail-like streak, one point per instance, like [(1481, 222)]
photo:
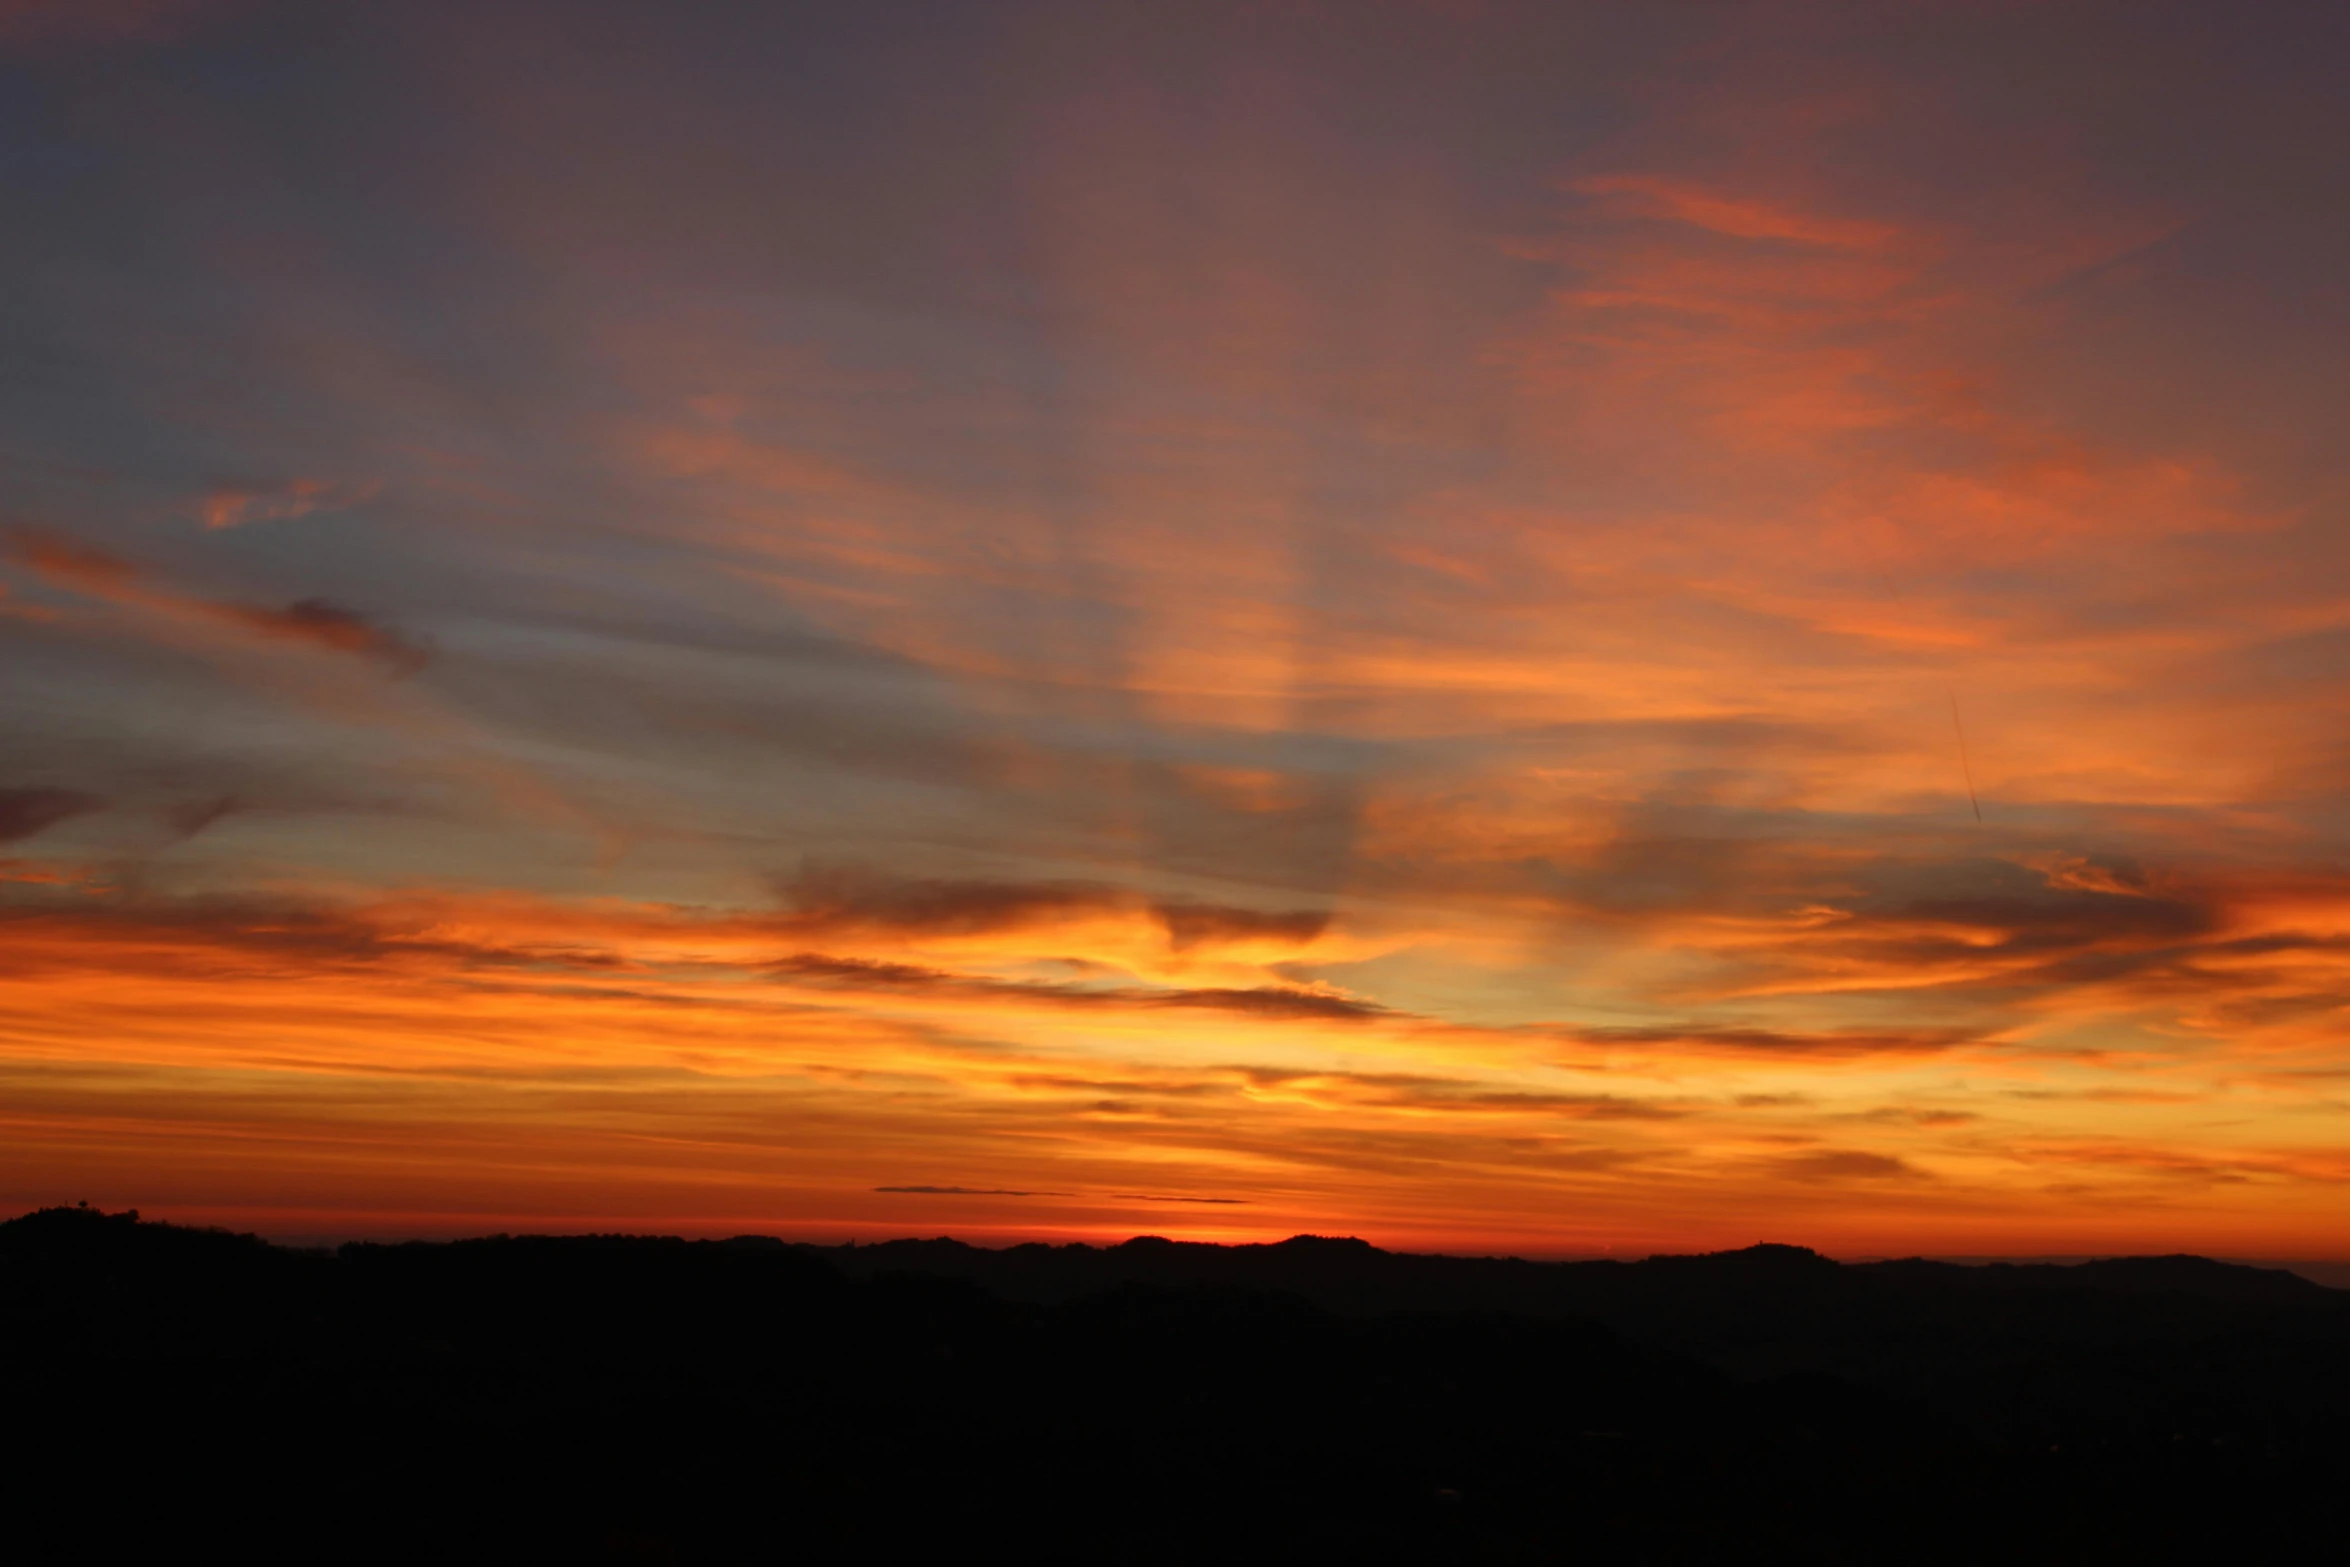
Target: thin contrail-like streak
[(1965, 767)]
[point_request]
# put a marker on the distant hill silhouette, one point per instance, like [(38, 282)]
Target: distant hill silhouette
[(639, 1399), (1350, 1275)]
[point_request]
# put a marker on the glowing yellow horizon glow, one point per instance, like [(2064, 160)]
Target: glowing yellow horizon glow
[(457, 1065)]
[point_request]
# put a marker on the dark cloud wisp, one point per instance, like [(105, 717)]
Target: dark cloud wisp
[(24, 812)]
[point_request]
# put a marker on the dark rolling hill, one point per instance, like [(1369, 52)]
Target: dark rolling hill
[(183, 1392), (2016, 1353)]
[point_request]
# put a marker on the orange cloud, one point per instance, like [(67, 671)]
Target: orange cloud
[(573, 1025), (234, 505), (315, 622), (1740, 218)]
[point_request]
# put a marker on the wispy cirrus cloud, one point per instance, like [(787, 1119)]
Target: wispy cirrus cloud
[(965, 1191), (235, 505), (835, 898), (314, 622), (1263, 1001), (24, 812)]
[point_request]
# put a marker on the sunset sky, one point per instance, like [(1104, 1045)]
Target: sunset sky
[(1536, 628)]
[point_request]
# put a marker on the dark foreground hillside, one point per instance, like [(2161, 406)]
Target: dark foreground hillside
[(181, 1393)]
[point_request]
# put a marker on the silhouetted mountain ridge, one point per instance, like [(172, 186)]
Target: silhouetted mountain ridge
[(1348, 1274), (649, 1398)]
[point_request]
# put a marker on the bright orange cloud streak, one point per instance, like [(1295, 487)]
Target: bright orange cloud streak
[(716, 1061)]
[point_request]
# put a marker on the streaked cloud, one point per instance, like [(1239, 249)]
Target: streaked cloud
[(317, 622), (24, 812), (235, 505)]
